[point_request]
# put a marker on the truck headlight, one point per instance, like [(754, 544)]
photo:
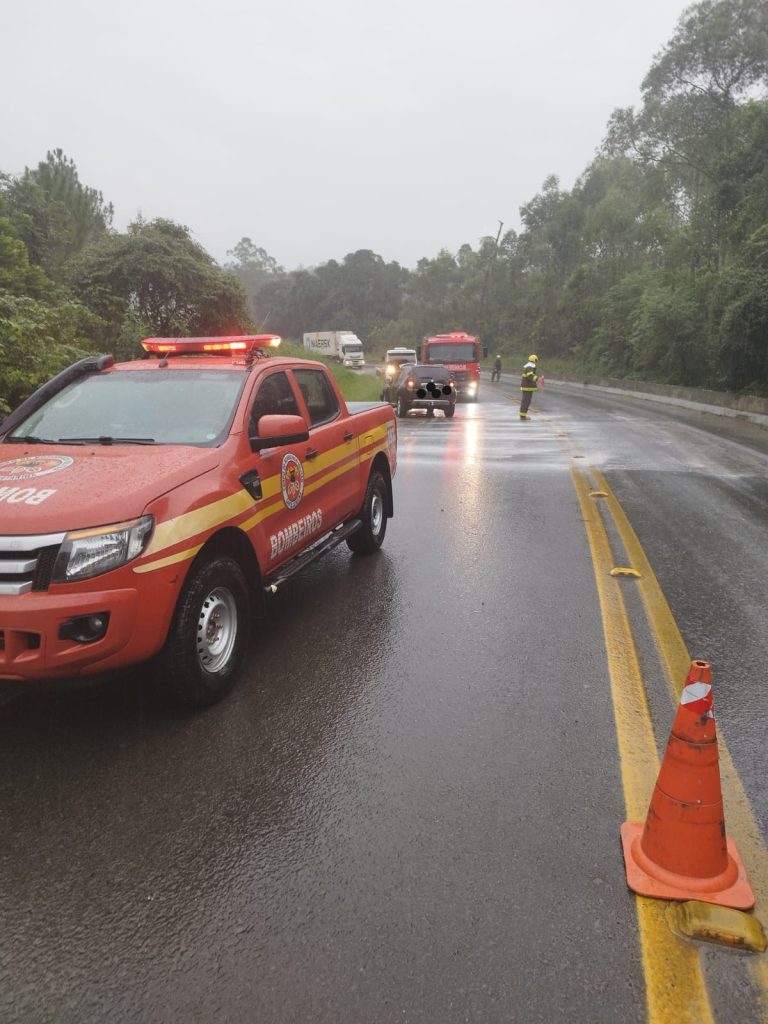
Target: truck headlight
[(87, 553), (472, 386)]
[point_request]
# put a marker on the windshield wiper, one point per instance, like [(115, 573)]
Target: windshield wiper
[(31, 439), (105, 439)]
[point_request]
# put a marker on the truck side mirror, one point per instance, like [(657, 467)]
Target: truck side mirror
[(485, 352), (273, 431)]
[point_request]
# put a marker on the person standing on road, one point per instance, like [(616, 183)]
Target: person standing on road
[(528, 384), (496, 371)]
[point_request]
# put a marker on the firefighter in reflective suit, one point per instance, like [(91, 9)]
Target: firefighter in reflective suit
[(528, 384)]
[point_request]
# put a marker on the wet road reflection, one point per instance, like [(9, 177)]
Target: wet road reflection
[(406, 811)]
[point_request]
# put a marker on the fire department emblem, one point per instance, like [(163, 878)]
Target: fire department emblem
[(292, 480), (29, 466)]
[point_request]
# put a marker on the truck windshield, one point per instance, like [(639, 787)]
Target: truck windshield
[(192, 407), (352, 346), (462, 352)]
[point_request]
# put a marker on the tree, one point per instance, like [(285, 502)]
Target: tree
[(689, 118), (742, 342), (158, 275), (41, 328), (361, 293), (247, 256), (37, 340), (17, 275), (254, 268), (55, 215)]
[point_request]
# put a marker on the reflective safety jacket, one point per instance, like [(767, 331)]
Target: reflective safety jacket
[(530, 378)]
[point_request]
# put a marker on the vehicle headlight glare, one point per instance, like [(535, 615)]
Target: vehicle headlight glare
[(87, 553)]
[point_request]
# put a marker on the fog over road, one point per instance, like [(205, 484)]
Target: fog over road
[(409, 809)]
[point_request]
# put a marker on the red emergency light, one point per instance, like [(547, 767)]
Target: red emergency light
[(189, 346)]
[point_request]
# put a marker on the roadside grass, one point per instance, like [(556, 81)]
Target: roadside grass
[(354, 385)]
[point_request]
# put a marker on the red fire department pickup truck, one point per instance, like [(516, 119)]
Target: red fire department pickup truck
[(147, 507)]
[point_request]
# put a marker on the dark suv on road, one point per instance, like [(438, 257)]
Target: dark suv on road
[(427, 386)]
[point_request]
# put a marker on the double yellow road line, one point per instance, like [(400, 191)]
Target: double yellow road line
[(675, 986)]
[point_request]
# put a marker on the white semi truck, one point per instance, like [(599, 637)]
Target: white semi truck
[(343, 346)]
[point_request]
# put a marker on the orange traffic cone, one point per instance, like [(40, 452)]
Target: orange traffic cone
[(682, 852)]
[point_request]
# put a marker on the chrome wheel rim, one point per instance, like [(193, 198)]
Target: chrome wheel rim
[(377, 514), (216, 629)]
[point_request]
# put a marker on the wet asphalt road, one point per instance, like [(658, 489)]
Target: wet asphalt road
[(408, 810)]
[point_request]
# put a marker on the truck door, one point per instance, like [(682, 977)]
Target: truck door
[(331, 455), (286, 522)]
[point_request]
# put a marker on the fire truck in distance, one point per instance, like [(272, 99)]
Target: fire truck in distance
[(461, 354), (147, 508)]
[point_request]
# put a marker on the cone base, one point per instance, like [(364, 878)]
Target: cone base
[(648, 879)]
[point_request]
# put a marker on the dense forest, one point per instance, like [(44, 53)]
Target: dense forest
[(654, 265)]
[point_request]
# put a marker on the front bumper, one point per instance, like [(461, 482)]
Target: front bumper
[(30, 646)]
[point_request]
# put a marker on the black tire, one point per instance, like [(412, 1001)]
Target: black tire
[(430, 413), (370, 536), (450, 411), (208, 638), (402, 406)]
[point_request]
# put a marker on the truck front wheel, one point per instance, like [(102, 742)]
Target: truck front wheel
[(208, 638), (370, 536)]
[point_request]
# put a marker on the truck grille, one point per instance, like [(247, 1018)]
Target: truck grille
[(26, 563)]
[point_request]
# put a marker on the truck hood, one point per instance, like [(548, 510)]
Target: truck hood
[(54, 488)]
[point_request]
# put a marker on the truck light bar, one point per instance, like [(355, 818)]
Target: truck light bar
[(453, 335), (233, 343)]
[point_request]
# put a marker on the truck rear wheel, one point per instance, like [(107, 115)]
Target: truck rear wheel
[(370, 536), (208, 638), (402, 407)]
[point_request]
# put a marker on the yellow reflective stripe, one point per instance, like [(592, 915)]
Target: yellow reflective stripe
[(367, 456), (176, 531), (322, 481), (216, 513), (270, 487), (327, 459), (263, 513), (180, 556)]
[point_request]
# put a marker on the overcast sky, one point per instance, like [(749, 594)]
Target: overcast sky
[(318, 127)]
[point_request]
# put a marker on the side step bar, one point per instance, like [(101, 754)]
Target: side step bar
[(320, 548)]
